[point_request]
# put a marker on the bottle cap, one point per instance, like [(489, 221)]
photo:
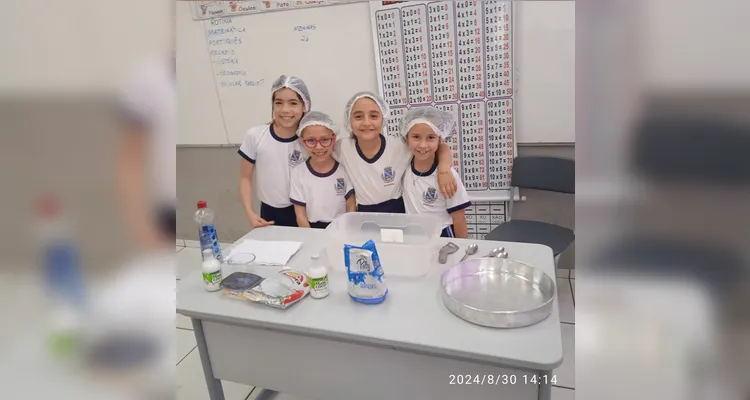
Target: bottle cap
[(48, 206), (202, 204), (315, 256)]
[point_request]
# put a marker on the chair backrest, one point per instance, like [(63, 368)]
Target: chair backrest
[(553, 174)]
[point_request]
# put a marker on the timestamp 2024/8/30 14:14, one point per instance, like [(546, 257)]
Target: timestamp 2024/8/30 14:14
[(503, 379)]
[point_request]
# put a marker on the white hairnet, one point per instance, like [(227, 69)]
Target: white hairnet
[(316, 118), (293, 83), (384, 109), (441, 122)]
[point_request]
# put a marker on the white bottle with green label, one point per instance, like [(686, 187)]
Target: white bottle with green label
[(211, 271), (318, 274)]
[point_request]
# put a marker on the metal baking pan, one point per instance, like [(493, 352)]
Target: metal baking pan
[(497, 292)]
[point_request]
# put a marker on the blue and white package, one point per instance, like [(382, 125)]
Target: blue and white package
[(366, 276)]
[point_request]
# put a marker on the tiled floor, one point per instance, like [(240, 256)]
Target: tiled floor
[(192, 385)]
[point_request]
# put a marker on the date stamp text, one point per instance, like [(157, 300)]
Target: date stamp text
[(501, 379)]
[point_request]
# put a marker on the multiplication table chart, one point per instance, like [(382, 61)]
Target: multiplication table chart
[(416, 48), (453, 139), (393, 124), (500, 142), (456, 56), (391, 54)]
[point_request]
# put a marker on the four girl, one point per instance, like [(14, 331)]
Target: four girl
[(307, 178)]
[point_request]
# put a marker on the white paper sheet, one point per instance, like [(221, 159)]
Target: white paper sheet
[(266, 252)]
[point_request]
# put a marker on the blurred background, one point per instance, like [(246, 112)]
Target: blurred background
[(662, 132), (70, 263), (662, 221)]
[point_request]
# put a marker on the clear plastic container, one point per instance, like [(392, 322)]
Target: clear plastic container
[(410, 258)]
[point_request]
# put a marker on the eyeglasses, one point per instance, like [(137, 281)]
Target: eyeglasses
[(325, 142)]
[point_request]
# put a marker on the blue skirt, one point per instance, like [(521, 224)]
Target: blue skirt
[(280, 216), (395, 206)]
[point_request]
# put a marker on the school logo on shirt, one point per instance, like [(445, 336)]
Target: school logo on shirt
[(340, 186), (388, 175), (429, 196), (294, 158)]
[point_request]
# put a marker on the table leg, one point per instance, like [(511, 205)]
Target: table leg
[(545, 386), (215, 390)]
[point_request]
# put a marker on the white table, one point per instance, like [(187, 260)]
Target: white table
[(408, 347)]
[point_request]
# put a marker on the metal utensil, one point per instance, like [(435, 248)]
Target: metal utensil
[(471, 250), (503, 254), (496, 292), (494, 252), (449, 248)]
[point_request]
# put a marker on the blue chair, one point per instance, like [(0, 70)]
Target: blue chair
[(552, 174)]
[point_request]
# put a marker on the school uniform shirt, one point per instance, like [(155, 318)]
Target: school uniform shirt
[(323, 195), (422, 196), (148, 100), (274, 159), (377, 179)]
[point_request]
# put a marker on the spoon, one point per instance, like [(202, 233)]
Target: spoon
[(503, 254), (449, 248), (494, 253), (472, 249)]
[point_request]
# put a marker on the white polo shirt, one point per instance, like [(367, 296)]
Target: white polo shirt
[(149, 101), (274, 159), (422, 195), (378, 179), (323, 195)]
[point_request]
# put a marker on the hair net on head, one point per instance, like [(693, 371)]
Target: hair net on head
[(293, 83), (384, 109), (441, 122), (316, 118)]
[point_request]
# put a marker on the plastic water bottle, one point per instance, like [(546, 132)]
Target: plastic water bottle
[(207, 230), (63, 278)]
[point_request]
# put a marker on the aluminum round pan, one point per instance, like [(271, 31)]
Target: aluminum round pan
[(497, 292)]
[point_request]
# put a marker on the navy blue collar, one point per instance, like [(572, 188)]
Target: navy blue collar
[(318, 174), (377, 156), (428, 173), (280, 139)]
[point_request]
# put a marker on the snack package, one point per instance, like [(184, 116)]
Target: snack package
[(366, 276), (280, 291), (237, 283)]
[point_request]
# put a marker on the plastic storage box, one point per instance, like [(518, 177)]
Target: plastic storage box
[(410, 258)]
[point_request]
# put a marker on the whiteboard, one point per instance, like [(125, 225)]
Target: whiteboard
[(544, 56), (325, 46), (336, 60)]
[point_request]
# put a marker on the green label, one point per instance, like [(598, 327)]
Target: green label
[(319, 284), (212, 278)]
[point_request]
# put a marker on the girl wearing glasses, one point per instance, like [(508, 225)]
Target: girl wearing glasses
[(272, 150), (377, 163), (321, 189)]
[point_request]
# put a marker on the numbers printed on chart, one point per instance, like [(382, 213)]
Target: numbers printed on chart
[(456, 56), (497, 49), (416, 52), (473, 145), (500, 142), (391, 57), (443, 51), (453, 141), (470, 55), (393, 125)]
